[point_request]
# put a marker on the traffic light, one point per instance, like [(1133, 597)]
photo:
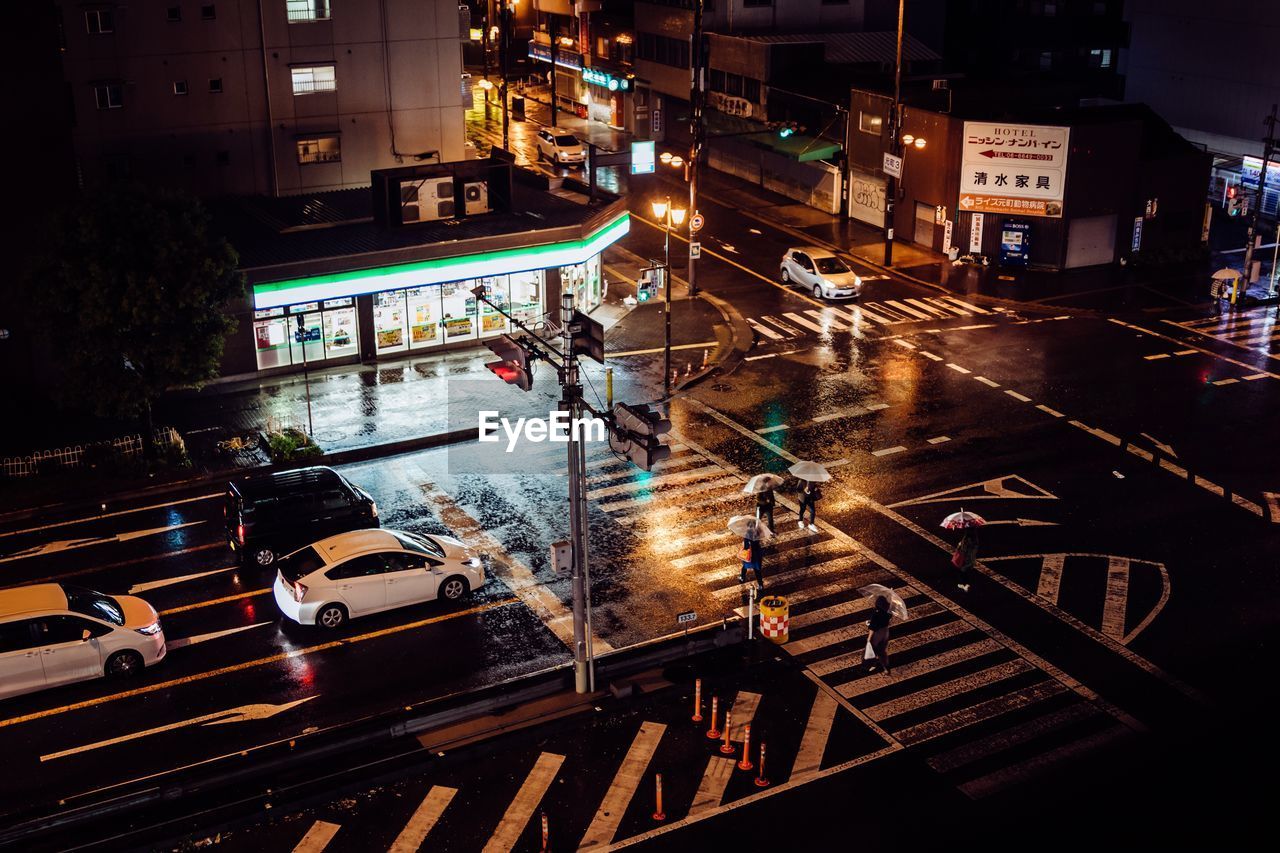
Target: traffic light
[(588, 337), (637, 433), (512, 366), (1235, 201), (652, 279)]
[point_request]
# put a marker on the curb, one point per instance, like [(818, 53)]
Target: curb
[(741, 340)]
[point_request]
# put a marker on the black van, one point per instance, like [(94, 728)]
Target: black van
[(269, 515)]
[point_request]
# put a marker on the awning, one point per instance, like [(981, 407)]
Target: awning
[(798, 147)]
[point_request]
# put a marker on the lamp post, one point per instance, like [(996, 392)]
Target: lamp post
[(669, 216), (895, 117)]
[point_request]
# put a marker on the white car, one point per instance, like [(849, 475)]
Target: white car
[(53, 634), (818, 270), (368, 571), (560, 146)]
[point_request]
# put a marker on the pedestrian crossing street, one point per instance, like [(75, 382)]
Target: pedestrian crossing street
[(980, 710), (857, 316), (1256, 329)]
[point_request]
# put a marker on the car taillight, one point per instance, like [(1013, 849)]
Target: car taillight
[(299, 592), (240, 533)]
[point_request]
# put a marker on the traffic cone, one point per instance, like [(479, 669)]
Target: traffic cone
[(697, 700), (658, 813), (714, 732), (727, 748), (745, 763)]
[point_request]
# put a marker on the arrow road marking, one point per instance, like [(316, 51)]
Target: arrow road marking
[(990, 490), (204, 638), (149, 585), (1166, 449), (242, 714), (72, 544)]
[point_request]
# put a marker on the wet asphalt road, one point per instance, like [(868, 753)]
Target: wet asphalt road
[(1131, 546)]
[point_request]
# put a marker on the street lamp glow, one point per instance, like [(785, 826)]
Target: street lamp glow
[(919, 142), (665, 157), (677, 215), (660, 209), (677, 162), (907, 139), (486, 84)]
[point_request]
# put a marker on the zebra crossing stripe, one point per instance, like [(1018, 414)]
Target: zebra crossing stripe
[(725, 556), (942, 303), (423, 820), (804, 573), (816, 733), (630, 773), (948, 689), (884, 321), (851, 632), (931, 309), (844, 608), (655, 482), (645, 501), (714, 780), (744, 709), (769, 318), (994, 707), (974, 308), (908, 310), (317, 837), (808, 324), (1050, 577), (867, 683), (1006, 739), (1113, 605), (829, 320), (526, 800), (765, 330), (993, 782), (899, 644)]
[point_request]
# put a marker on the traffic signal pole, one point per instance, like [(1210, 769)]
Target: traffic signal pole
[(895, 133), (696, 133), (571, 401), (1268, 149)]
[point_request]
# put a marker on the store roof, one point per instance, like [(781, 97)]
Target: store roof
[(851, 48)]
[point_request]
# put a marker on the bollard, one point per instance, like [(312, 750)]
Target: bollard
[(745, 763), (697, 700), (546, 834), (761, 782), (658, 813), (726, 748), (713, 732), (608, 387), (775, 618)]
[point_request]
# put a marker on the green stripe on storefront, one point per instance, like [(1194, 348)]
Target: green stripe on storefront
[(275, 294)]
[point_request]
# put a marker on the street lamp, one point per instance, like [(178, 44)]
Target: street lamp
[(669, 215)]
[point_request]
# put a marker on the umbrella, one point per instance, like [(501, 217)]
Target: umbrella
[(811, 471), (1226, 274), (750, 527), (960, 520), (762, 483), (897, 606)]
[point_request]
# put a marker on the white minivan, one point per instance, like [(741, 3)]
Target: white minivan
[(53, 634)]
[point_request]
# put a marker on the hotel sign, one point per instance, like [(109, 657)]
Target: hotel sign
[(1015, 169)]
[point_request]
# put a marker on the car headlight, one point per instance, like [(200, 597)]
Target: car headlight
[(150, 630)]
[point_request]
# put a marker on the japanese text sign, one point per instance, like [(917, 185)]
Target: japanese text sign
[(1013, 168)]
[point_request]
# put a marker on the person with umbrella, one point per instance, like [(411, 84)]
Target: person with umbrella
[(966, 553), (810, 473), (762, 486), (754, 534), (888, 606)]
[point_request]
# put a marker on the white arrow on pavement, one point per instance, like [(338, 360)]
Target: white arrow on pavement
[(143, 587), (1023, 522), (232, 715), (1166, 449), (72, 544), (204, 638), (728, 247)]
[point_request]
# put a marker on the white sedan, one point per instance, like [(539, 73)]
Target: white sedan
[(820, 271), (368, 571)]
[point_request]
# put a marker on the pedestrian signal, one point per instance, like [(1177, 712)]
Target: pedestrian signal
[(512, 366), (588, 337), (1235, 202)]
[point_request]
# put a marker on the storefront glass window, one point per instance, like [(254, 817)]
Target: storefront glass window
[(305, 333), (594, 286), (389, 321), (271, 338), (424, 317), (492, 322), (458, 310), (573, 280), (340, 330), (526, 296)]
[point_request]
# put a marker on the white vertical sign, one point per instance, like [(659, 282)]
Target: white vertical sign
[(975, 234), (946, 236)]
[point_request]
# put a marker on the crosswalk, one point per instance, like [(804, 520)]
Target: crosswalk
[(1256, 329), (978, 708), (857, 316)]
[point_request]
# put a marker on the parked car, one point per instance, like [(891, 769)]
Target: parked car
[(273, 514), (821, 272), (560, 146), (53, 634), (368, 571)]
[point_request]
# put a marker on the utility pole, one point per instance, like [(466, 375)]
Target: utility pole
[(895, 118), (551, 28), (504, 45), (571, 388), (698, 86), (1268, 148)]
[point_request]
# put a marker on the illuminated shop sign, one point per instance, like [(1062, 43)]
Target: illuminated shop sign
[(608, 81)]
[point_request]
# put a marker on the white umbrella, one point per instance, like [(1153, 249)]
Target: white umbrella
[(1226, 274), (811, 471), (750, 527), (897, 606), (962, 519), (762, 483)]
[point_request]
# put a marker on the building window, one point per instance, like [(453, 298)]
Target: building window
[(1100, 58), (302, 11), (179, 87), (868, 123), (98, 21), (215, 85), (320, 149), (209, 12), (314, 78), (109, 96), (751, 89), (663, 50), (173, 14)]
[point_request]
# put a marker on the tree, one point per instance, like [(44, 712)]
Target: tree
[(132, 291)]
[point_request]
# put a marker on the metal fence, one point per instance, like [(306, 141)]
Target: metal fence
[(128, 446)]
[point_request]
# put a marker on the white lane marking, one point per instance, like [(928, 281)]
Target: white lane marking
[(1157, 356), (765, 330), (974, 308), (951, 310), (816, 733), (1049, 411), (241, 714), (1173, 469), (317, 837), (875, 407), (1245, 503), (1138, 451), (948, 689), (214, 635), (631, 772), (1255, 376), (957, 368), (867, 683), (778, 428), (744, 712), (1185, 352), (89, 518), (1166, 449), (1006, 776), (908, 310), (759, 357), (802, 321), (1015, 395), (781, 325), (985, 381), (1008, 738), (526, 801), (1230, 381), (423, 820), (711, 789), (930, 355), (1209, 486), (828, 319), (887, 451), (1113, 605), (904, 343), (74, 544), (1050, 577), (1273, 505), (1261, 339), (933, 310), (1210, 353), (940, 439), (870, 315), (149, 585)]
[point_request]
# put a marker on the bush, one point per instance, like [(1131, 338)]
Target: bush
[(291, 445)]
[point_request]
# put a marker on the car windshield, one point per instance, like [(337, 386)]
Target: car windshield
[(831, 266), (566, 140), (300, 563), (89, 603), (419, 544)]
